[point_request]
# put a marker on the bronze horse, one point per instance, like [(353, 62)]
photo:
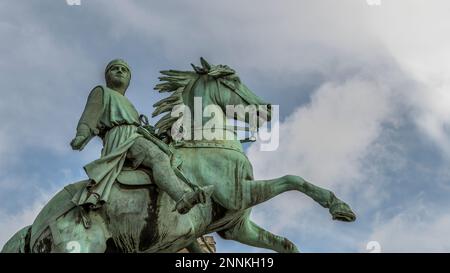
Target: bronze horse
[(140, 218)]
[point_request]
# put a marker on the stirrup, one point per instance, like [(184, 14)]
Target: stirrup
[(85, 217)]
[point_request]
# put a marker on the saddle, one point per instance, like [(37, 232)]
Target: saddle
[(137, 177)]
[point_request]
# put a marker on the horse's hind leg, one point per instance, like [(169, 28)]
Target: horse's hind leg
[(68, 235), (249, 233), (255, 192)]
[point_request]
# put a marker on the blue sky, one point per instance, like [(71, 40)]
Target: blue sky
[(363, 93)]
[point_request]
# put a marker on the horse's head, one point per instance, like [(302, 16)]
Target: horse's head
[(216, 85), (229, 92)]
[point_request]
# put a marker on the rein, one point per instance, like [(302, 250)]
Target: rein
[(233, 129), (220, 144)]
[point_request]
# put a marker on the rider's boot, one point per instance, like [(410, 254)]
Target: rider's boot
[(190, 199)]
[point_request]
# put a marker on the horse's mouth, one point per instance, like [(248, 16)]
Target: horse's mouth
[(264, 113)]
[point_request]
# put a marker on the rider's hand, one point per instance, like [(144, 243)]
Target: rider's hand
[(77, 142), (83, 136)]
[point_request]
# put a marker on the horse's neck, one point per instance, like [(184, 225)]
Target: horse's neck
[(208, 121), (209, 128)]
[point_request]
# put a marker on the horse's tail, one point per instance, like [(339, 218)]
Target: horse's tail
[(19, 243)]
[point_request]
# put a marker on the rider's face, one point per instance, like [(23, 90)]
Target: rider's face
[(118, 75)]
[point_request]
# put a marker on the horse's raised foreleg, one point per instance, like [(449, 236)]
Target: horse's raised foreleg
[(249, 233), (255, 192)]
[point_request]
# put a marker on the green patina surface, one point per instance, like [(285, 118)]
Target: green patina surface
[(154, 189)]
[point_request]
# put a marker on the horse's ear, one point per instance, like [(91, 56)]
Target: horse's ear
[(197, 69), (205, 64)]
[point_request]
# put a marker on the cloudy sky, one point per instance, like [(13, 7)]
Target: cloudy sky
[(364, 95)]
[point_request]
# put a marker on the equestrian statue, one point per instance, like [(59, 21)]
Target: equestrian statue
[(159, 188)]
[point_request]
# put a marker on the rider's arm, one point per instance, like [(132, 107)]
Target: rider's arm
[(87, 126)]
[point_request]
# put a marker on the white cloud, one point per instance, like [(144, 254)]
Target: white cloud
[(43, 75), (411, 35), (415, 34), (374, 60), (27, 209), (11, 223), (286, 40), (325, 143), (420, 227), (324, 140)]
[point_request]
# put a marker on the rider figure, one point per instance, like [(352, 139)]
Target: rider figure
[(110, 115)]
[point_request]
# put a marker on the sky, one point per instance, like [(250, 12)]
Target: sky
[(363, 89)]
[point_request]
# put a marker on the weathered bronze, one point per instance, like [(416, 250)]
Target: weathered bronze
[(109, 114), (154, 191)]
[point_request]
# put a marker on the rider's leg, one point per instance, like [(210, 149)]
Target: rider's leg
[(259, 191), (146, 153), (249, 233)]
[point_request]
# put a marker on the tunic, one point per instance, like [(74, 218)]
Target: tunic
[(120, 120)]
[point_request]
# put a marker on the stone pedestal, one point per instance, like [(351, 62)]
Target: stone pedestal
[(209, 241)]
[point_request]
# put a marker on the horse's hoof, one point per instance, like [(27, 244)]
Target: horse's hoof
[(341, 211)]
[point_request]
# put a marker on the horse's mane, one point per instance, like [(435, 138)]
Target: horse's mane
[(174, 82), (178, 82)]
